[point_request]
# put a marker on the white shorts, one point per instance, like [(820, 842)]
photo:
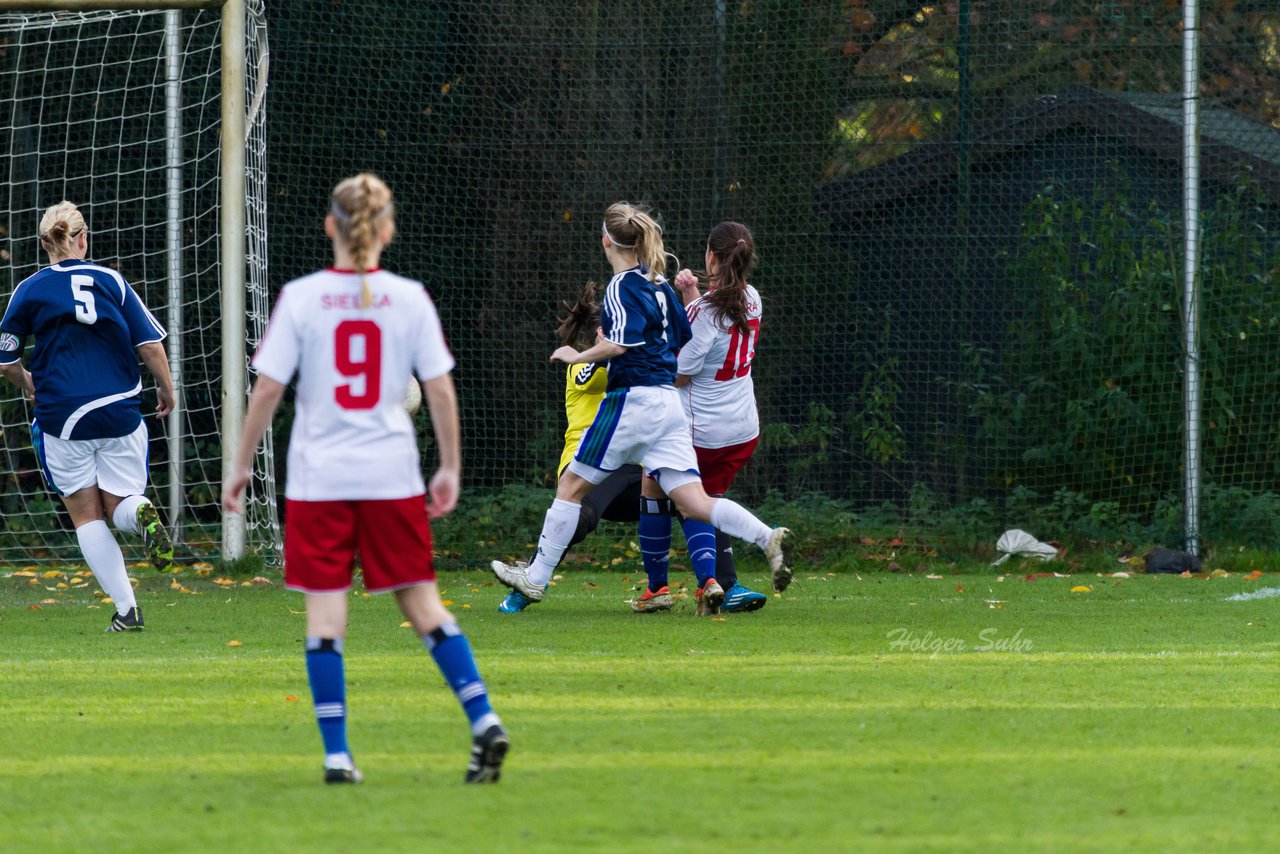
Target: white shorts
[(644, 425), (117, 466)]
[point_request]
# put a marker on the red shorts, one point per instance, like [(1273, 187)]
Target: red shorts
[(322, 538), (718, 466)]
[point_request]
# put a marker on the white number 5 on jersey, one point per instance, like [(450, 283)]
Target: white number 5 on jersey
[(85, 311)]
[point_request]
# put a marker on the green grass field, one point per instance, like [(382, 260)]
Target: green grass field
[(882, 711)]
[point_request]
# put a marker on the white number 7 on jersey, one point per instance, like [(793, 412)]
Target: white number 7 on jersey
[(85, 311)]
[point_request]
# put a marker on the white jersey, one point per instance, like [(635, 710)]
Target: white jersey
[(352, 438), (721, 399)]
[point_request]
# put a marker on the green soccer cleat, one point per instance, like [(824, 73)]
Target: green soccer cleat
[(155, 539)]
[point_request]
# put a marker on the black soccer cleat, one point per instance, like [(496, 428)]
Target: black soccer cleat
[(129, 621), (342, 775), (487, 752)]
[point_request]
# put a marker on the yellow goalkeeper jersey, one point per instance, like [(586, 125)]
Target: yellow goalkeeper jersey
[(584, 388)]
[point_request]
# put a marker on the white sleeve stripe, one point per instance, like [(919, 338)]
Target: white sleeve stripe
[(612, 297), (159, 329)]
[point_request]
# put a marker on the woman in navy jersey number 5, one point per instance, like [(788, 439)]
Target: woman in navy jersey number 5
[(354, 335), (91, 329)]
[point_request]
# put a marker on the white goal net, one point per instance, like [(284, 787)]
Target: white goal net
[(120, 112)]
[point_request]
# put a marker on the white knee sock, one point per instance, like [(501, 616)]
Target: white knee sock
[(557, 531), (102, 553), (126, 515), (737, 521)]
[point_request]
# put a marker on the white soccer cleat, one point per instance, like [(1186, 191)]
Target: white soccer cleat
[(516, 576), (778, 551)]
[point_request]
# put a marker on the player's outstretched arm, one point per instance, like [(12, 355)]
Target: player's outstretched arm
[(442, 402), (600, 351), (153, 356), (262, 407)]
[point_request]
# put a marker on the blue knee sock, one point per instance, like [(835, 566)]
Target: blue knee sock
[(654, 531), (701, 538), (328, 691), (449, 647)]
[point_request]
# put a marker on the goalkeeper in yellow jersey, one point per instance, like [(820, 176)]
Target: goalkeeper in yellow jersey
[(617, 498)]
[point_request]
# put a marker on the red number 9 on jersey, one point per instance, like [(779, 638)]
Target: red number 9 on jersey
[(357, 350)]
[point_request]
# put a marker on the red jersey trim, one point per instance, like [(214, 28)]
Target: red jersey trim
[(350, 272)]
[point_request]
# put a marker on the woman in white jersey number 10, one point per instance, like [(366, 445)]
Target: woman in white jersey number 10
[(642, 418), (355, 335), (90, 330), (714, 373)]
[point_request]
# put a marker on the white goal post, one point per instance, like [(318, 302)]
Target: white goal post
[(194, 175)]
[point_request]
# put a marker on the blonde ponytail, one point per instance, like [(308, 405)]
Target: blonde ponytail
[(361, 204), (59, 227), (632, 228)]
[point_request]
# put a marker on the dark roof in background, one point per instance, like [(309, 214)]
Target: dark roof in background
[(1148, 121)]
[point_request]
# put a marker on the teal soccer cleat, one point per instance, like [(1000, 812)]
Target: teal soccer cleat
[(738, 599), (514, 603)]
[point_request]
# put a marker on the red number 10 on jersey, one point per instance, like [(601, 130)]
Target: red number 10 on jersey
[(357, 350), (742, 351)]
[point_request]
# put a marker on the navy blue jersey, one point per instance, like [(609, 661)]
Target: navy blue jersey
[(87, 322), (649, 320)]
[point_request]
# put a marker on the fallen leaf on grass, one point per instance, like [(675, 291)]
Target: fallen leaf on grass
[(233, 643), (446, 602), (1081, 588), (291, 699), (205, 572), (48, 601), (259, 581), (1219, 573), (53, 573), (34, 608), (224, 581), (933, 576), (406, 625), (1254, 576), (23, 573), (959, 588), (1120, 575)]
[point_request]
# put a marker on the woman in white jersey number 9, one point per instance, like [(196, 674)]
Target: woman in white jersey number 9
[(354, 334)]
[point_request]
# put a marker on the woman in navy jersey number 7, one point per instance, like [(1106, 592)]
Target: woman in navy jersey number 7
[(355, 335), (91, 329)]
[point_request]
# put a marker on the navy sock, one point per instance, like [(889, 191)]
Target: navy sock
[(449, 647), (654, 531), (328, 691), (701, 538), (726, 571)]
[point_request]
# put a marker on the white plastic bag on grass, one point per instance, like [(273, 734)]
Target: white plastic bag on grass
[(1022, 544)]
